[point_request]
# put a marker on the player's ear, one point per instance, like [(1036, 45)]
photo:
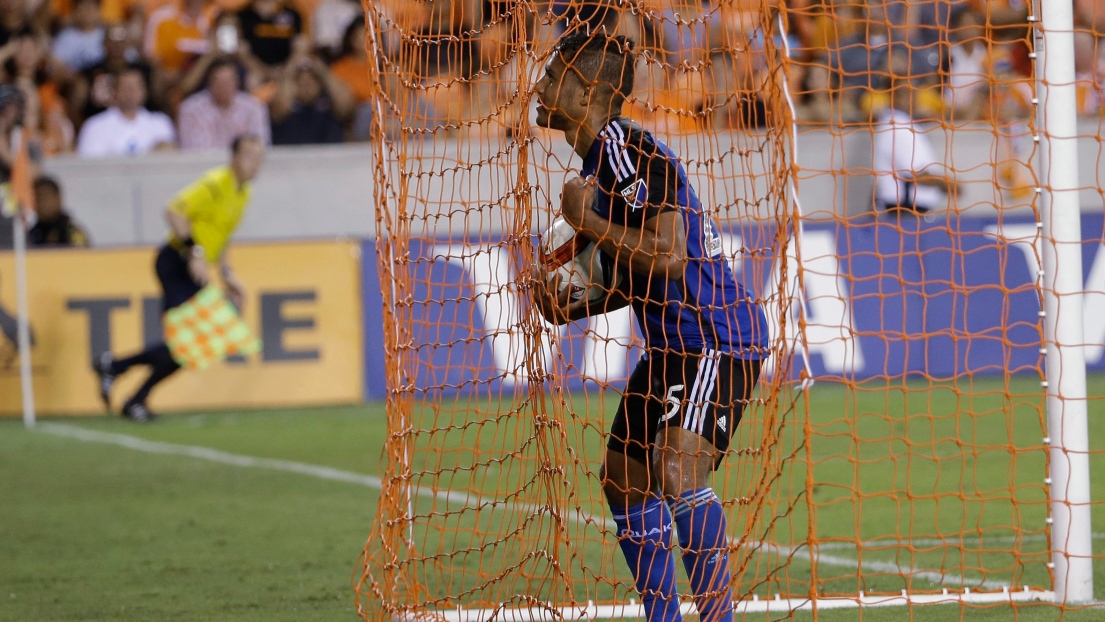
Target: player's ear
[(586, 95)]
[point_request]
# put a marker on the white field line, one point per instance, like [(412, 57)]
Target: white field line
[(935, 577), (448, 496), (288, 466), (923, 542)]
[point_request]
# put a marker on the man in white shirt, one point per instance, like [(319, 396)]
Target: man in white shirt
[(127, 128), (907, 174)]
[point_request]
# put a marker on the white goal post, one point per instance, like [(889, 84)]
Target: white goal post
[(1061, 288)]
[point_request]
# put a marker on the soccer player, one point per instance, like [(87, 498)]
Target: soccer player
[(705, 339), (201, 220)]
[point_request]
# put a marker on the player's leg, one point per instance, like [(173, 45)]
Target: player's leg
[(686, 453), (162, 365), (177, 287), (643, 519)]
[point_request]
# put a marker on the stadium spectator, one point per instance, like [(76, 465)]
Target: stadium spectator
[(212, 118), (311, 104), (1005, 20), (92, 91), (494, 88), (859, 61), (689, 31), (81, 45), (177, 33), (967, 88), (1090, 14), (13, 20), (908, 175), (445, 44), (13, 113), (53, 226), (127, 128), (1087, 85), (331, 22), (352, 64), (270, 26), (225, 42), (26, 62)]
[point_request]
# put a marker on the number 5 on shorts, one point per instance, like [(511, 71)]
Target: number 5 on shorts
[(672, 401)]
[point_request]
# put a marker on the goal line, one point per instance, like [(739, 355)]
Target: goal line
[(634, 610)]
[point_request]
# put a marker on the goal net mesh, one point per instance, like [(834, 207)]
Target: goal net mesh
[(917, 461)]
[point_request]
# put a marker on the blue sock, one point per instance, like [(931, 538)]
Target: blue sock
[(700, 520), (644, 534)]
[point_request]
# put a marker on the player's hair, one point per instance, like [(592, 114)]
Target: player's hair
[(241, 139), (601, 59), (47, 182)]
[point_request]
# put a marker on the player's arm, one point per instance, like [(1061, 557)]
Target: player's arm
[(180, 214), (559, 309), (235, 289), (657, 248)]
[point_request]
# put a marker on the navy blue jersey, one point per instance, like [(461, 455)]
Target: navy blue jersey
[(638, 179)]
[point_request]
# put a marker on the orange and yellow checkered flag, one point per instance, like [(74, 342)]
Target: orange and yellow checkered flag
[(207, 329)]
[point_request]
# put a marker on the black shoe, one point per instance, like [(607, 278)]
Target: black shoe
[(102, 366), (137, 411)]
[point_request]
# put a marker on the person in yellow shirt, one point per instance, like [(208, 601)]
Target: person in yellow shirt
[(202, 219)]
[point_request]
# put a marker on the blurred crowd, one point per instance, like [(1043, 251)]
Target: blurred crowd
[(708, 64), (124, 77)]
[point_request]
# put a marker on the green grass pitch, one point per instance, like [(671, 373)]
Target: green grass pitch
[(98, 531)]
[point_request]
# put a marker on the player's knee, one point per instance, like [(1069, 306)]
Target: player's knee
[(669, 471), (682, 461), (622, 484), (622, 494)]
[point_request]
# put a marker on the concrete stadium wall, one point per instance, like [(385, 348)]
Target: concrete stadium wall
[(326, 192)]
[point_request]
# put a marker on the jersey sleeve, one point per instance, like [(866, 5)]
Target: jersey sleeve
[(195, 200), (640, 181)]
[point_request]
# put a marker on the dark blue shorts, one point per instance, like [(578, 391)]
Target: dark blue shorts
[(704, 392), (177, 285)]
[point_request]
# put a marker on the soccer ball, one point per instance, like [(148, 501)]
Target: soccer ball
[(581, 265)]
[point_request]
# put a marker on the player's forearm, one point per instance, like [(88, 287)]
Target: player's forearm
[(639, 249), (179, 223), (226, 269)]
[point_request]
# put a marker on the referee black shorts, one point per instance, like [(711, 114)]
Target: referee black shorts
[(177, 285), (701, 391)]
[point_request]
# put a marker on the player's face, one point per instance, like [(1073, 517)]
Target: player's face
[(247, 162), (557, 93)]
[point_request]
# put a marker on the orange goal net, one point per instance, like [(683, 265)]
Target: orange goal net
[(896, 184)]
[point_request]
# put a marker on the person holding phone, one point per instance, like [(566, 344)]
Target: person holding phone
[(224, 43)]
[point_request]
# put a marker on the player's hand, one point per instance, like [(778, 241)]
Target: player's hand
[(200, 271), (576, 198), (554, 303), (235, 291)]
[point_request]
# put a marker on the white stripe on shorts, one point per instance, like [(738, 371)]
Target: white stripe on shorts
[(704, 384), (692, 397), (705, 407)]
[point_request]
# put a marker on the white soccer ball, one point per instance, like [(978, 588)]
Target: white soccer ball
[(581, 265)]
